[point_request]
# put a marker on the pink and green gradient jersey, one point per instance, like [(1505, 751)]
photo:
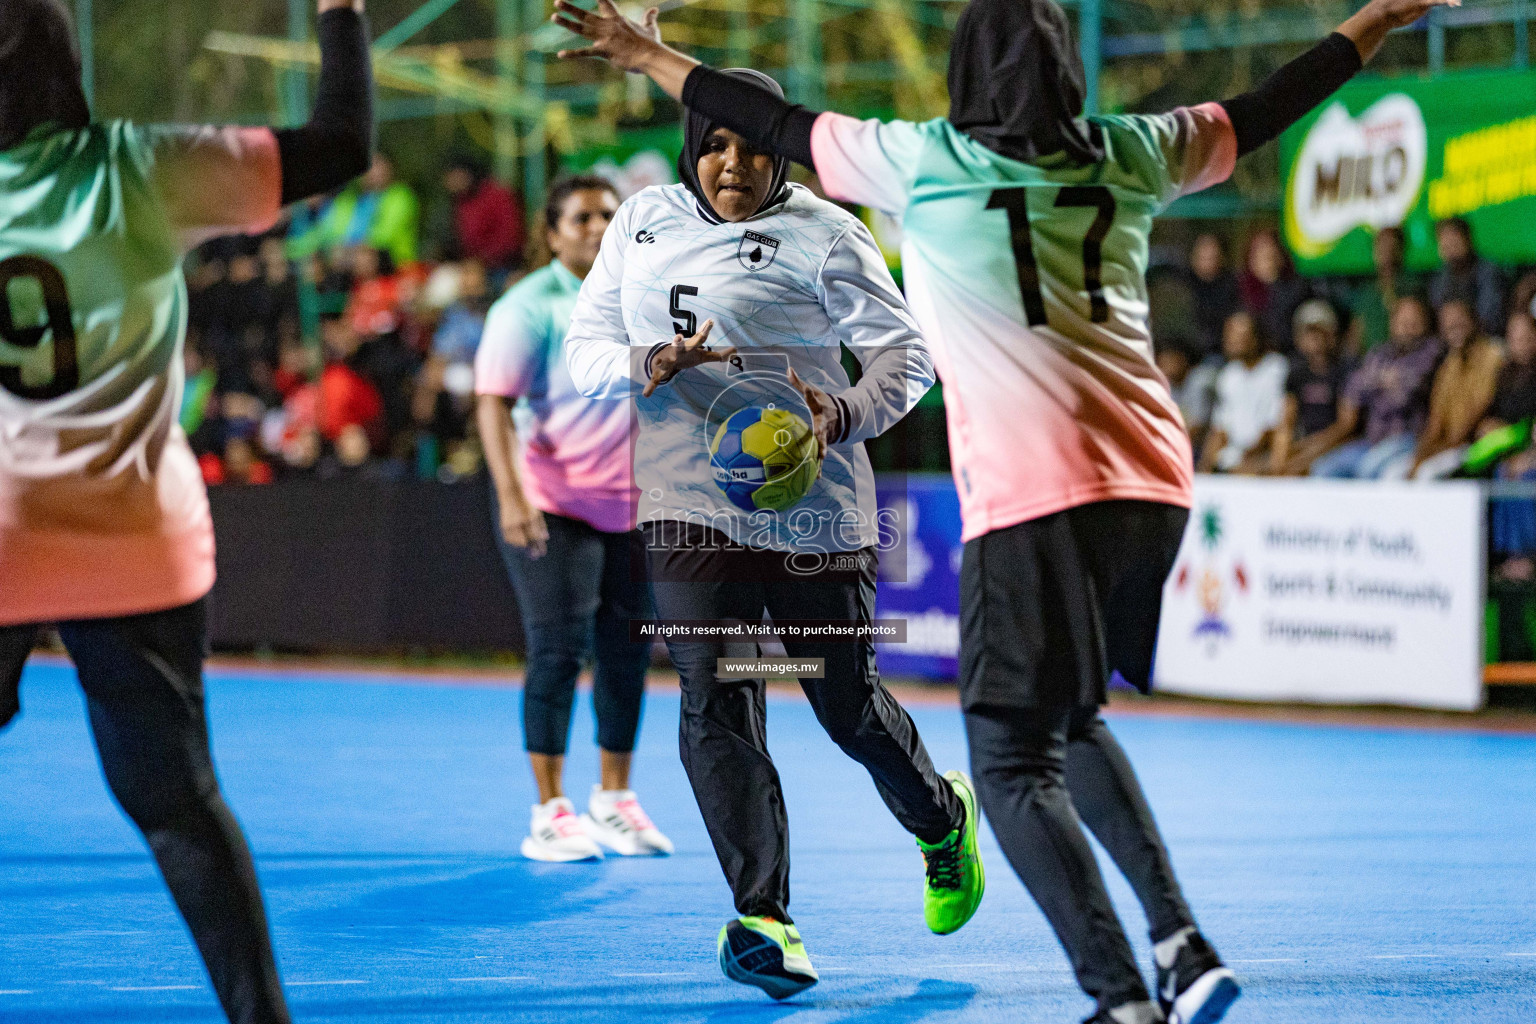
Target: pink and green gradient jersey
[(1029, 282), (102, 507), (574, 451)]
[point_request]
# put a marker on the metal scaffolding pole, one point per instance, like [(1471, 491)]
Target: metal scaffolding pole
[(1090, 27), (806, 84), (509, 32), (535, 171), (295, 84), (86, 27)]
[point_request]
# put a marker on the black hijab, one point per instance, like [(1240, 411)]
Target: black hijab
[(39, 70), (1016, 81), (696, 128)]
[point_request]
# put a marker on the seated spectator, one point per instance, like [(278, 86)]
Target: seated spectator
[(375, 211), (1215, 291), (487, 218), (1250, 391), (1467, 276), (446, 384), (374, 306), (1312, 389), (242, 465), (345, 397), (1459, 399), (1270, 289), (1193, 388), (1390, 391), (1512, 521), (1514, 392), (1371, 307)]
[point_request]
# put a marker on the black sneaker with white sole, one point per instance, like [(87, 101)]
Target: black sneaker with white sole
[(1194, 987)]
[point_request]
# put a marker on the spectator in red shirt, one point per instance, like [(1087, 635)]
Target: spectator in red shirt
[(487, 218), (346, 397)]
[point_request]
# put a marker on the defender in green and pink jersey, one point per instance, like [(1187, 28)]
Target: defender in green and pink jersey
[(1025, 231), (104, 523)]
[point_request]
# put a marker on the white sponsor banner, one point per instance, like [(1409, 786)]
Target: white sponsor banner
[(1328, 591)]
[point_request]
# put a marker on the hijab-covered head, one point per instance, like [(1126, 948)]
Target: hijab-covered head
[(1016, 81), (696, 129), (39, 70)]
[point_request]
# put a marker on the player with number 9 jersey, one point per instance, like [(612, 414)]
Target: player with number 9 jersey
[(105, 530)]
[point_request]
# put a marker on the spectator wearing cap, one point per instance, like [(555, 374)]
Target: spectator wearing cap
[(1467, 276), (1388, 396), (487, 219), (1312, 389), (1459, 399), (1250, 392), (1371, 306)]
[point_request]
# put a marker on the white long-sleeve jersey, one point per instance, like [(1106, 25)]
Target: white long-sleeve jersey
[(787, 288)]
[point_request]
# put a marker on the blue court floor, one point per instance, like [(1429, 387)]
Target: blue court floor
[(1349, 875)]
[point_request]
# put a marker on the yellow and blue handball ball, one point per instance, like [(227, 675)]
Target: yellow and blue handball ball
[(764, 459)]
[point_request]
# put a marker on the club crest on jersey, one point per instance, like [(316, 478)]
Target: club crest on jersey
[(757, 251)]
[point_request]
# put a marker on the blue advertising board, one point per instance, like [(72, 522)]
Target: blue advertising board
[(920, 578)]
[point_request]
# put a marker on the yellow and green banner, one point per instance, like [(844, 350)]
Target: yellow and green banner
[(1412, 151)]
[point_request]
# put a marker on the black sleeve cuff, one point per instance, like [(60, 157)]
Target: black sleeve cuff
[(756, 114), (1286, 96)]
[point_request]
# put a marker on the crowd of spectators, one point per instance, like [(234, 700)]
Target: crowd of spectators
[(1394, 377), (330, 348), (342, 343)]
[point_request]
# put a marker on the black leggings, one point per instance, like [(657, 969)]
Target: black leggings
[(580, 597), (1051, 607), (1041, 774), (723, 732), (142, 677)]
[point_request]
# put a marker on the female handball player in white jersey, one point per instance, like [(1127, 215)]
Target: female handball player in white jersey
[(104, 523), (1025, 231), (787, 279)]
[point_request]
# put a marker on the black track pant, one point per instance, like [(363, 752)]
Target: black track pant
[(1051, 607), (143, 683), (723, 729)]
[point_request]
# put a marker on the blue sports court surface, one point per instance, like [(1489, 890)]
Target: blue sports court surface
[(1348, 874)]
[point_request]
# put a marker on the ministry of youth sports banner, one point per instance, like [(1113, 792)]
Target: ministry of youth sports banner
[(1327, 592)]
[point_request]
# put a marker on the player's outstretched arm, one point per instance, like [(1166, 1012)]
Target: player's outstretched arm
[(336, 145), (1291, 92)]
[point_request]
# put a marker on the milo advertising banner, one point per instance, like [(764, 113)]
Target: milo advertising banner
[(1413, 151)]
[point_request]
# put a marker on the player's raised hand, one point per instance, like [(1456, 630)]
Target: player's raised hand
[(1370, 25), (1402, 13), (826, 421), (623, 43), (631, 45), (682, 354)]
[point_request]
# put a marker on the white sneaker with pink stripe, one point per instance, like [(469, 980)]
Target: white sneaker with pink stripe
[(556, 834), (615, 818)]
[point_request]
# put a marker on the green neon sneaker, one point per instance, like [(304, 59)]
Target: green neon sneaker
[(956, 878), (760, 951)]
